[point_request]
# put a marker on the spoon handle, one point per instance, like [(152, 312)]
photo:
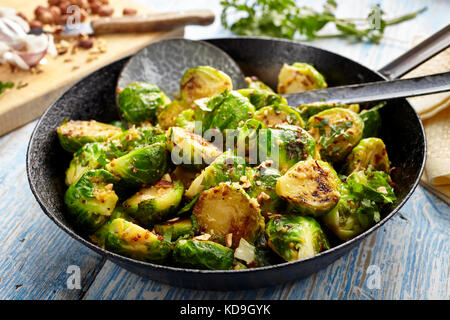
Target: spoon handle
[(153, 22), (375, 91)]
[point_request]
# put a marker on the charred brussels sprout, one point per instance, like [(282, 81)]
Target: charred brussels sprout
[(255, 83), (131, 240), (141, 102), (262, 98), (369, 153), (91, 200), (229, 110), (138, 137), (311, 187), (285, 145), (308, 110), (203, 82), (176, 227), (90, 157), (274, 115), (141, 166), (228, 209), (75, 134), (190, 149), (167, 117), (295, 237), (299, 77), (202, 255), (264, 189), (156, 203), (336, 132), (227, 167)]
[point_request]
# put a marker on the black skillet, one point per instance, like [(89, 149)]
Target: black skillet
[(94, 98)]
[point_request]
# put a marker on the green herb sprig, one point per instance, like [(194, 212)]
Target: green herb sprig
[(284, 19), (5, 85)]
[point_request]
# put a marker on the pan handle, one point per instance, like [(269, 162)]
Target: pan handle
[(418, 54)]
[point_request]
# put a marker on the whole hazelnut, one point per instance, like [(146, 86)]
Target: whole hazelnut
[(39, 9), (35, 24), (86, 43), (95, 6), (105, 11), (129, 12), (53, 2), (63, 5), (56, 12), (46, 17), (62, 19)]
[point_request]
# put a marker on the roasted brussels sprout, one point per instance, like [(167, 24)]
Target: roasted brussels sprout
[(131, 240), (144, 166), (285, 145), (310, 109), (262, 98), (190, 150), (167, 117), (372, 121), (311, 187), (299, 77), (197, 254), (184, 175), (362, 197), (138, 137), (176, 227), (369, 153), (296, 237), (91, 156), (141, 102), (255, 83), (75, 134), (228, 209), (99, 237), (229, 110), (227, 167), (336, 132), (274, 115), (264, 189), (186, 119), (156, 203), (203, 82), (91, 200)]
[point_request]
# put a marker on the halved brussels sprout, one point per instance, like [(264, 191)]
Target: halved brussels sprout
[(264, 189), (286, 145), (226, 167), (167, 117), (89, 157), (144, 166), (229, 110), (203, 82), (311, 187), (202, 255), (138, 137), (274, 115), (228, 209), (156, 203), (299, 77), (99, 237), (336, 132), (255, 83), (75, 134), (372, 121), (369, 153), (176, 227), (310, 109), (131, 240), (261, 98), (296, 237), (141, 102), (189, 149), (91, 200)]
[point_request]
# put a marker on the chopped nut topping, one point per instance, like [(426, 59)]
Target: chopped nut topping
[(203, 237), (229, 240)]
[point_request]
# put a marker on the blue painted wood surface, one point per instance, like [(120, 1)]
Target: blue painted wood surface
[(411, 251)]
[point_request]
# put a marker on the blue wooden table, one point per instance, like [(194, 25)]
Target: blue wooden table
[(408, 258)]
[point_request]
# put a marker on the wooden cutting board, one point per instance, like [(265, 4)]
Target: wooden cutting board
[(40, 89)]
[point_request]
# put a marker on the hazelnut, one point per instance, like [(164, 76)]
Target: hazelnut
[(104, 1), (129, 12), (95, 6), (56, 12), (53, 2), (105, 11), (83, 15), (63, 5), (86, 43), (83, 4), (46, 17), (62, 19), (39, 9), (35, 24)]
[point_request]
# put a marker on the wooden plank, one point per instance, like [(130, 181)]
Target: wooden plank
[(19, 106), (34, 252)]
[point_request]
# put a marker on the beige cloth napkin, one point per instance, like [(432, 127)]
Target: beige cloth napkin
[(435, 114)]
